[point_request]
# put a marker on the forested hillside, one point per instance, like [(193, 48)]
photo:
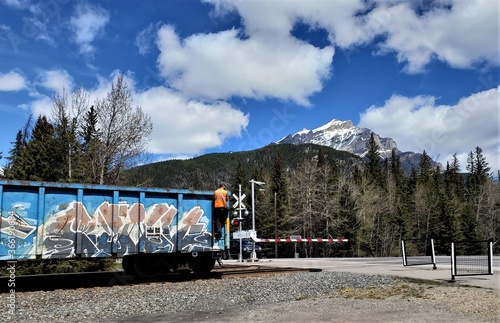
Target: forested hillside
[(207, 171), (315, 191)]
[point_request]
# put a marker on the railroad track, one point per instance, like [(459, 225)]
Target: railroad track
[(119, 278), (257, 270)]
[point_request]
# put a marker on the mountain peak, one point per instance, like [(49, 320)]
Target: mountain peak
[(334, 125), (343, 135)]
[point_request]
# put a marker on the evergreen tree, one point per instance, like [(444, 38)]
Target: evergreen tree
[(41, 152), (279, 188), (90, 146), (68, 149), (452, 179), (349, 225), (17, 167), (239, 178), (374, 167), (321, 158), (425, 165), (478, 169)]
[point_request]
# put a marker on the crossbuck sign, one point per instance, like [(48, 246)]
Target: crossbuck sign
[(239, 202)]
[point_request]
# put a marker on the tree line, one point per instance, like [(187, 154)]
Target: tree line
[(82, 142), (374, 204)]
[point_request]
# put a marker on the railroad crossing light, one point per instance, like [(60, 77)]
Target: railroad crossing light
[(236, 221)]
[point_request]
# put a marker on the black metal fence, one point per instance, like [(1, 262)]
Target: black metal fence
[(470, 258), (418, 252)]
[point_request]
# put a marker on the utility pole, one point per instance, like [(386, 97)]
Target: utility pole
[(238, 207), (254, 256), (275, 228)]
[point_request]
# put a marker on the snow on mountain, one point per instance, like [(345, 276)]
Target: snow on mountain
[(343, 135)]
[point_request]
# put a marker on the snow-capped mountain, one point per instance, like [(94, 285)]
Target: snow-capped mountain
[(343, 135)]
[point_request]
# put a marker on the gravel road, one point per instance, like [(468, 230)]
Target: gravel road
[(310, 297)]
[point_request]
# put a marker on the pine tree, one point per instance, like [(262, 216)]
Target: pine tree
[(425, 165), (239, 178), (478, 169), (374, 167), (279, 188), (68, 148), (41, 152), (91, 144), (349, 224), (17, 166)]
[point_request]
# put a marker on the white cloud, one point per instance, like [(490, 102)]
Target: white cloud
[(263, 60), (462, 35), (182, 126), (12, 81), (43, 22), (16, 4), (459, 33), (145, 39), (419, 124), (222, 65), (42, 105), (87, 23), (56, 81)]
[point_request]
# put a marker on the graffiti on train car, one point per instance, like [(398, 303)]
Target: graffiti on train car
[(69, 229)]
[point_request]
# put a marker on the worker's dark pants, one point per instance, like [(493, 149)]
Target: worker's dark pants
[(220, 215)]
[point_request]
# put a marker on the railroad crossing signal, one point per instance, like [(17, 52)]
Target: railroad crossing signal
[(236, 221), (239, 202)]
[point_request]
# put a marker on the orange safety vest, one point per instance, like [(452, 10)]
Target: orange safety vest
[(220, 198)]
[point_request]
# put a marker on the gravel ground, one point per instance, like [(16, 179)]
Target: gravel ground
[(312, 297)]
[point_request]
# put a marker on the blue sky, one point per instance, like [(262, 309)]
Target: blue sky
[(219, 76)]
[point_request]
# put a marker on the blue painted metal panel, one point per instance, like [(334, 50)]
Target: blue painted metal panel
[(160, 225), (195, 224), (55, 220), (60, 224), (18, 226)]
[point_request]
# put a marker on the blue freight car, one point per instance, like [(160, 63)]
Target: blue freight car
[(154, 230)]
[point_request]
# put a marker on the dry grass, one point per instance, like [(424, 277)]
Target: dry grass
[(399, 291)]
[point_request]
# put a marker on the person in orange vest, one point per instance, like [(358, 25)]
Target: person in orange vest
[(220, 209)]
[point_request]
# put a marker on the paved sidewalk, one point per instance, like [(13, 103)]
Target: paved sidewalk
[(388, 266)]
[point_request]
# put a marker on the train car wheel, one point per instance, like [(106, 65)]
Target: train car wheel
[(204, 264), (128, 265), (148, 265)]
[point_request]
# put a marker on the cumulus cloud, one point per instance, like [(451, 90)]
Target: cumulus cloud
[(87, 23), (419, 124), (56, 80), (42, 105), (183, 126), (12, 81), (222, 65), (264, 59), (459, 33)]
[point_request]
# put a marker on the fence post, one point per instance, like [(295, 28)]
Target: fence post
[(403, 248), (490, 257), (453, 262), (433, 255)]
